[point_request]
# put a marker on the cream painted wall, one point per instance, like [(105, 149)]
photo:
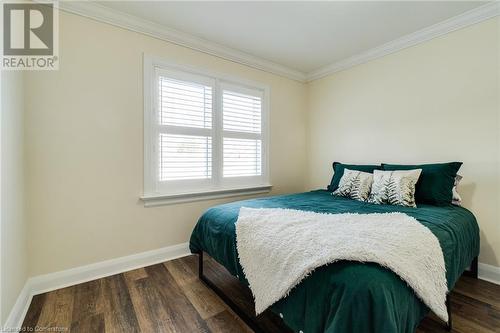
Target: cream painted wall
[(437, 101), (84, 147), (13, 226)]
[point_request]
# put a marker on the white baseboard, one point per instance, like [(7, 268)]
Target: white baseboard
[(489, 273), (52, 281), (18, 312), (48, 282)]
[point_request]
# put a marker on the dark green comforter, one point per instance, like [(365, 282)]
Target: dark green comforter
[(346, 296)]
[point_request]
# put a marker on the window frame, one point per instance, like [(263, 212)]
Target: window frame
[(156, 192)]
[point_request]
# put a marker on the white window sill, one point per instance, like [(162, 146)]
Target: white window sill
[(169, 199)]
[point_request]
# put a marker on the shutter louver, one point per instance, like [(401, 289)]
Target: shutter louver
[(241, 113), (242, 157), (185, 157)]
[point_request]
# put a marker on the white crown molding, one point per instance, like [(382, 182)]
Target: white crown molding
[(136, 24), (107, 15), (466, 19), (52, 281)]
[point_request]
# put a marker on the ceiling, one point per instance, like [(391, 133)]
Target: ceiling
[(303, 36)]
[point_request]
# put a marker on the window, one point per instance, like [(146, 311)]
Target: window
[(204, 134)]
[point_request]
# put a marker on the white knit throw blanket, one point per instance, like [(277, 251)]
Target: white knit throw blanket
[(278, 248)]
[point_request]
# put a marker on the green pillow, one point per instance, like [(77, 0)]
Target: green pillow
[(338, 172), (436, 181)]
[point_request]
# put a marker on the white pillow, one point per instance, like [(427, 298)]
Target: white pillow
[(355, 185), (457, 199), (394, 187)]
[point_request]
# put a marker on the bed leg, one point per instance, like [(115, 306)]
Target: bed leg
[(448, 307), (474, 268), (472, 272)]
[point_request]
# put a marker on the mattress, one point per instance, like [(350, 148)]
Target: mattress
[(346, 296)]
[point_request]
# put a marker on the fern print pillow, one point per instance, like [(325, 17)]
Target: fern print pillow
[(355, 185), (394, 187)]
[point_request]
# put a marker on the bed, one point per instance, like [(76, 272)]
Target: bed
[(346, 296)]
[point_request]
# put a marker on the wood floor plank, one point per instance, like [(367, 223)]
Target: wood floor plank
[(483, 318), (135, 274), (119, 314), (86, 300), (226, 322), (34, 311), (484, 291), (181, 271), (152, 314), (93, 323), (205, 301), (138, 302), (169, 298), (57, 310), (182, 312)]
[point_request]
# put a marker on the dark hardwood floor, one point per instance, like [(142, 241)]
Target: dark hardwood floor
[(169, 297)]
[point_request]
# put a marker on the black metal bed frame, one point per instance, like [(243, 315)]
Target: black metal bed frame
[(471, 273), (251, 322)]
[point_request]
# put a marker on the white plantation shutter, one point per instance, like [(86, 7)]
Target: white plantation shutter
[(185, 126), (202, 134), (242, 124)]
